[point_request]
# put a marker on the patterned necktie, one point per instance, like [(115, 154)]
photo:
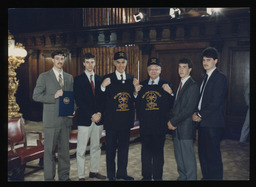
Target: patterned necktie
[(152, 83), (60, 81), (92, 84)]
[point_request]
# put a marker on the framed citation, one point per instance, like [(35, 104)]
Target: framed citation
[(66, 104)]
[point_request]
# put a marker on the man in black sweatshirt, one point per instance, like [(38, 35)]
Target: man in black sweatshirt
[(118, 91), (152, 105)]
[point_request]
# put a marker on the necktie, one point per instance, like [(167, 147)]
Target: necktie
[(179, 88), (60, 81), (204, 83), (152, 83), (122, 78), (92, 84)]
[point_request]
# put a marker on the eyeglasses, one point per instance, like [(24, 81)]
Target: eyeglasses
[(153, 69)]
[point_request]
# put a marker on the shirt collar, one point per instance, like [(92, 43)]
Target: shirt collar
[(89, 74), (118, 75), (156, 81), (210, 73), (57, 73), (185, 80)]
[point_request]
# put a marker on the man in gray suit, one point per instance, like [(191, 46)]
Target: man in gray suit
[(49, 87), (180, 120)]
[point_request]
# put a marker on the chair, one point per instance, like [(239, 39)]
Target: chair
[(23, 152)]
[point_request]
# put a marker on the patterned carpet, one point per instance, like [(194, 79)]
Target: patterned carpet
[(236, 160)]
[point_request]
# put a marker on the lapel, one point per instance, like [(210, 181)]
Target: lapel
[(211, 80), (65, 75), (183, 89), (54, 80), (87, 81)]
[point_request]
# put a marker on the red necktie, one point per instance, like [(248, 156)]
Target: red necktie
[(93, 90), (179, 88)]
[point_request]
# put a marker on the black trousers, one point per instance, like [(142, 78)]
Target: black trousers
[(152, 155), (117, 140), (209, 139)]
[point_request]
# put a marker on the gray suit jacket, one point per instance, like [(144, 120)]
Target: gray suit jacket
[(46, 87), (183, 108)]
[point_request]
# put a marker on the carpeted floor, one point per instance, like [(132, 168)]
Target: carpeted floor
[(236, 160)]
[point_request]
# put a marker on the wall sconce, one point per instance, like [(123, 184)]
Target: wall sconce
[(16, 55)]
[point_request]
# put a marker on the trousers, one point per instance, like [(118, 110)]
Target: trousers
[(84, 133)]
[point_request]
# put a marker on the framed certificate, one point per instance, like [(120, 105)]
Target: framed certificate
[(66, 104)]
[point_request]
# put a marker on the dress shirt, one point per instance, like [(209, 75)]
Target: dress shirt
[(89, 76), (57, 75), (156, 81), (118, 75)]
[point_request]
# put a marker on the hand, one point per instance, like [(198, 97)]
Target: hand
[(58, 94), (167, 88), (137, 88), (106, 82), (96, 117), (135, 82), (196, 118), (73, 115), (169, 124)]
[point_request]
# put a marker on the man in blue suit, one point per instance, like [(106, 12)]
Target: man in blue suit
[(89, 117), (210, 116)]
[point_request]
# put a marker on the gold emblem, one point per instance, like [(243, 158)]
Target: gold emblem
[(151, 98), (121, 54), (123, 98), (153, 60), (66, 100)]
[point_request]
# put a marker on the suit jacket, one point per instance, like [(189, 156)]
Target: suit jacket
[(212, 107), (114, 120), (46, 87), (87, 103), (183, 108), (154, 122)]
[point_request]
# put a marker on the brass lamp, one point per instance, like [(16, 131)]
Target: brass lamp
[(16, 55)]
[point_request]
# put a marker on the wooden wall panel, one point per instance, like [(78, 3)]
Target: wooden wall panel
[(239, 77), (105, 59), (100, 16)]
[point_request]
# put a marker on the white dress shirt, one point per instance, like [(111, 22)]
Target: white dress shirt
[(89, 76), (57, 74), (156, 81)]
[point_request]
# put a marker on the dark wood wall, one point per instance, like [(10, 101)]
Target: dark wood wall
[(169, 40)]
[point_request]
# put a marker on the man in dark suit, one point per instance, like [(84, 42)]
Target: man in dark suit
[(118, 91), (88, 98), (49, 88), (210, 116), (152, 105), (180, 120)]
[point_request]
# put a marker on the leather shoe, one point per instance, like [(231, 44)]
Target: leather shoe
[(112, 179), (97, 175), (82, 179), (127, 178)]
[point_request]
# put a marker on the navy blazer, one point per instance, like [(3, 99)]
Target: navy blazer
[(87, 103), (213, 101)]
